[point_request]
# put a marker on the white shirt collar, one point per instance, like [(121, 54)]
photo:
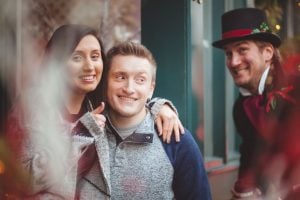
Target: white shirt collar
[(261, 85)]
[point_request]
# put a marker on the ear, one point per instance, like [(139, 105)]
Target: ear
[(152, 87), (268, 53)]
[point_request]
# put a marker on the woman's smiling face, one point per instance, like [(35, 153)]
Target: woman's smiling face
[(85, 66)]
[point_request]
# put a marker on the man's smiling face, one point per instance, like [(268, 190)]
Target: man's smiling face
[(247, 62), (130, 84)]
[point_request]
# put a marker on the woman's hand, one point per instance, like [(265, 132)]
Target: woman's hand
[(168, 122), (100, 119)]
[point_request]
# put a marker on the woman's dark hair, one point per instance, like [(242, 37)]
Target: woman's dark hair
[(62, 44)]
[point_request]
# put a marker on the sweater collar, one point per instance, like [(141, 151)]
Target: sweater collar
[(142, 134)]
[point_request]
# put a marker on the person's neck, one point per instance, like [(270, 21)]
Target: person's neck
[(122, 122), (74, 103), (258, 86), (254, 90)]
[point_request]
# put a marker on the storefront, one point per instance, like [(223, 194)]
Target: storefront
[(191, 72)]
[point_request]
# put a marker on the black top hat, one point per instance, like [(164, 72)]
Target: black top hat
[(246, 23)]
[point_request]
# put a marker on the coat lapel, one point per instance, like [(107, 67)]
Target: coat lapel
[(99, 175)]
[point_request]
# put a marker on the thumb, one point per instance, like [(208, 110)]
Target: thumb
[(99, 109)]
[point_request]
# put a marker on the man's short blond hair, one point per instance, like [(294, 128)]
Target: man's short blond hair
[(131, 49)]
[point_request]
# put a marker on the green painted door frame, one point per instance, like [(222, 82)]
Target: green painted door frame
[(166, 32)]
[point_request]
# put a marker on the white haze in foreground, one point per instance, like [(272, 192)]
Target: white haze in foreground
[(43, 104), (40, 98)]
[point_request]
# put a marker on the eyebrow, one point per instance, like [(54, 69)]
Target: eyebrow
[(81, 51), (128, 73)]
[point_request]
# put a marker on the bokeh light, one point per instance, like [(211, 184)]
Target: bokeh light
[(2, 167)]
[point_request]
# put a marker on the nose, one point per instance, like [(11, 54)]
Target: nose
[(88, 65), (235, 60), (129, 87)]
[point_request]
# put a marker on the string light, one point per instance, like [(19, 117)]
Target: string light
[(278, 27)]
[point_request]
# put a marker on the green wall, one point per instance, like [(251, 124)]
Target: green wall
[(166, 32)]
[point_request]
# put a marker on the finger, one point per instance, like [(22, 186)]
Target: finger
[(177, 132), (181, 127), (165, 128), (99, 109), (101, 124), (100, 119), (159, 125), (170, 130)]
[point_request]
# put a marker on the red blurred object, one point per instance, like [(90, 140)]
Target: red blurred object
[(291, 64)]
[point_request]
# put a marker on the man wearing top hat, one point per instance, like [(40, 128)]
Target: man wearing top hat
[(265, 113)]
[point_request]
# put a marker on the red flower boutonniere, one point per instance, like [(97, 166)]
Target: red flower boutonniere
[(283, 93)]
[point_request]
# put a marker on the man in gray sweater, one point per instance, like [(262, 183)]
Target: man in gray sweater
[(141, 166)]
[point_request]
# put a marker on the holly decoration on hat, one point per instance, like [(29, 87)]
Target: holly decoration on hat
[(262, 28)]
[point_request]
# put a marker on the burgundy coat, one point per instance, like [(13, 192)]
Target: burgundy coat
[(269, 126)]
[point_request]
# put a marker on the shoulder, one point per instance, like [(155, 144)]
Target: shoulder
[(190, 178), (186, 139), (186, 149)]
